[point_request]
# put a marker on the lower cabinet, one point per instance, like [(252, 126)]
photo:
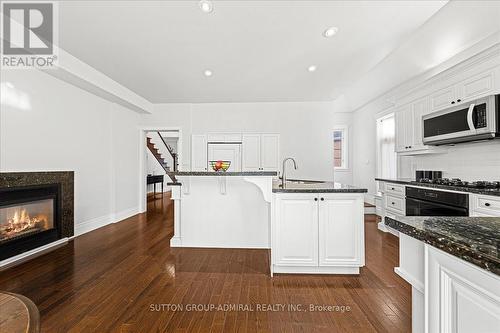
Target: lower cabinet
[(318, 233), (459, 296)]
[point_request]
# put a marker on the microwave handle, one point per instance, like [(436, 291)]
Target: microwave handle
[(470, 122)]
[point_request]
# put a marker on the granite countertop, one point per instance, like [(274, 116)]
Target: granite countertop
[(395, 180), (229, 173), (316, 187), (484, 191), (473, 239)]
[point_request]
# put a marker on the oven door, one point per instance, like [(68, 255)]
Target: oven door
[(463, 121), (417, 207)]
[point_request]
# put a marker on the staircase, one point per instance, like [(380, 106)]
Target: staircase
[(156, 153)]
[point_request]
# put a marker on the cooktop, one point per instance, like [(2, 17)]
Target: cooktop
[(462, 183)]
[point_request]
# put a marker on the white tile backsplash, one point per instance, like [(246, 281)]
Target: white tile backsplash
[(468, 161)]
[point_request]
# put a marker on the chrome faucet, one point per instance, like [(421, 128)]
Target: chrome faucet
[(283, 172)]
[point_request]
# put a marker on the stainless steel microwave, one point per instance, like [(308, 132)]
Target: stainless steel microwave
[(475, 120)]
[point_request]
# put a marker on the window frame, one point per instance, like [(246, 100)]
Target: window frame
[(345, 147)]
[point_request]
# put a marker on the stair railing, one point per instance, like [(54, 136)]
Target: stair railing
[(171, 152)]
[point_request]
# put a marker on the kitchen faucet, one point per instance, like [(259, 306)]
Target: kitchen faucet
[(283, 172)]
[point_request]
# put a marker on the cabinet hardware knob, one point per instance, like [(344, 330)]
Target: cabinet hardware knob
[(322, 199), (392, 188), (393, 203), (453, 102), (459, 100), (315, 199), (487, 204)]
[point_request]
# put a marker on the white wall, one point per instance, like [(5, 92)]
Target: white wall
[(47, 124), (305, 128)]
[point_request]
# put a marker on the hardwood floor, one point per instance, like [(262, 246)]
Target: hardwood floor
[(122, 277)]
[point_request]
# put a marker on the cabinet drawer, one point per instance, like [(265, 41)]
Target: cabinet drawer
[(486, 205), (395, 204), (395, 189)]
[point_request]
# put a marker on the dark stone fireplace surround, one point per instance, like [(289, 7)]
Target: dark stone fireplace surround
[(64, 181)]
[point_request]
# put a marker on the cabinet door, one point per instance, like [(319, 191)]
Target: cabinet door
[(477, 86), (459, 296), (420, 108), (341, 230), (296, 230), (198, 152), (443, 98), (251, 152), (269, 150), (402, 128)]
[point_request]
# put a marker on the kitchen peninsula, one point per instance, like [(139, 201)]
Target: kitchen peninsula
[(310, 226)]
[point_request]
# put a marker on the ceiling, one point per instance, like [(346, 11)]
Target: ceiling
[(258, 51)]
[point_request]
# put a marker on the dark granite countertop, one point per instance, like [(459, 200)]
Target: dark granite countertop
[(395, 181), (484, 191), (316, 187), (473, 239), (229, 173)]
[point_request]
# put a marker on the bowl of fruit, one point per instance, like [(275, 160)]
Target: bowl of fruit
[(220, 166)]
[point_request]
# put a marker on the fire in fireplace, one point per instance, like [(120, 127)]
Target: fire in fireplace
[(29, 218), (25, 219)]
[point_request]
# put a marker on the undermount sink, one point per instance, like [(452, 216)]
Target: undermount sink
[(305, 181)]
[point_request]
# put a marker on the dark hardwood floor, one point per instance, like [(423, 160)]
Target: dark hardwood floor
[(114, 279)]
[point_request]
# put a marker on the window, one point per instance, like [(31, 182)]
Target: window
[(386, 152), (340, 148)]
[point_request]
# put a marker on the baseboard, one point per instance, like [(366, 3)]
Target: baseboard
[(315, 270), (99, 222), (125, 214), (92, 224), (28, 255)]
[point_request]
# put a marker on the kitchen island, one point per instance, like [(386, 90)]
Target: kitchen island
[(310, 226), (453, 265), (317, 228), (222, 209)]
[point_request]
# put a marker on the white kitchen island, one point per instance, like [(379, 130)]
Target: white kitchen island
[(222, 210), (311, 228)]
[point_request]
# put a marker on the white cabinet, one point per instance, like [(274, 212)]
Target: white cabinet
[(318, 233), (269, 152), (409, 132), (296, 230), (198, 152), (459, 296), (260, 152), (464, 90), (340, 221), (251, 152), (443, 98), (484, 205), (224, 137)]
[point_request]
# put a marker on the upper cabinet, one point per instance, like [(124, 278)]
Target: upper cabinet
[(464, 89), (224, 137), (409, 136), (441, 92), (199, 160), (260, 152)]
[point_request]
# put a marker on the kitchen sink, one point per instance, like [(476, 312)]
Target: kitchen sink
[(305, 181)]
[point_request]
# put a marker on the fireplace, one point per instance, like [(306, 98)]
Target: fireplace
[(29, 218), (36, 209)]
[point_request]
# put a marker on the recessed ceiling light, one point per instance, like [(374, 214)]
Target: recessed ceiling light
[(311, 68), (208, 73), (206, 6), (330, 32)]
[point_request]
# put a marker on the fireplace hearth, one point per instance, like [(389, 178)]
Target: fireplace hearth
[(36, 209)]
